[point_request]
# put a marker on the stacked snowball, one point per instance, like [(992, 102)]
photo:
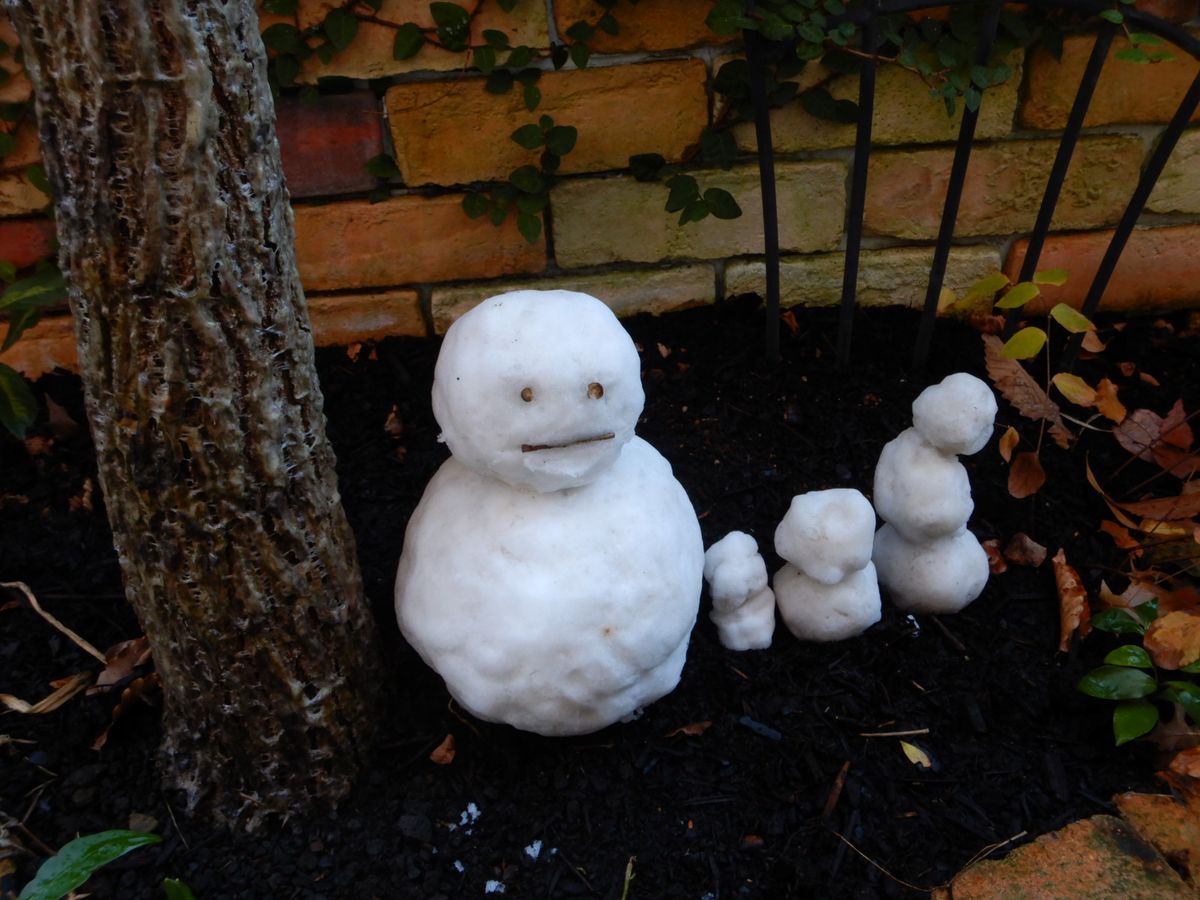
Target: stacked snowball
[(926, 557), (743, 605), (827, 591)]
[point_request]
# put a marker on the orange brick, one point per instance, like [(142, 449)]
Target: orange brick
[(18, 196), (649, 26), (1157, 271), (405, 240), (17, 88), (343, 319), (456, 132), (26, 241), (28, 150), (48, 345), (906, 190), (1126, 92), (325, 145), (370, 55), (1171, 10)]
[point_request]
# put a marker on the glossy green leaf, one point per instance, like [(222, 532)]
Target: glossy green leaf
[(1117, 683), (820, 103), (972, 98), (580, 54), (500, 81), (721, 203), (453, 24), (580, 31), (696, 211), (560, 140), (1018, 295), (36, 175), (1132, 719), (8, 270), (532, 95), (519, 57), (483, 59), (409, 40), (177, 890), (1133, 55), (1025, 344), (1117, 621), (340, 27), (78, 859), (1147, 612), (1187, 695), (728, 17), (532, 203), (43, 289), (608, 25), (529, 136), (498, 40), (1130, 655), (18, 324), (1071, 319), (1055, 277)]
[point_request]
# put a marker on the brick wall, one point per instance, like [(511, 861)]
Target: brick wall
[(411, 262)]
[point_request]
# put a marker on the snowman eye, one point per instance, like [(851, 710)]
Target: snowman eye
[(595, 390), (527, 394)]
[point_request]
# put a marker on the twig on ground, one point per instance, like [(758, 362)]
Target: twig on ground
[(37, 608)]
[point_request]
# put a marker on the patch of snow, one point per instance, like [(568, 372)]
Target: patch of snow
[(534, 850), (459, 867), (494, 887)]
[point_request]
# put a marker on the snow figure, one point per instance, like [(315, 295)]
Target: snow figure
[(926, 557), (827, 590), (551, 573), (743, 604)]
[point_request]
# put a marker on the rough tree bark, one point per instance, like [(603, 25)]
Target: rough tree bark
[(177, 242)]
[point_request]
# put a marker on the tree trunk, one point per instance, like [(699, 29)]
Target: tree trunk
[(177, 242)]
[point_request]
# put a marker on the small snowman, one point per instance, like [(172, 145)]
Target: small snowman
[(551, 573), (743, 603), (926, 557), (827, 590)]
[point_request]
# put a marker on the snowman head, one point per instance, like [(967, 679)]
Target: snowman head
[(540, 389)]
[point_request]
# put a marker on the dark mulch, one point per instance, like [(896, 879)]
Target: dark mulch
[(749, 807)]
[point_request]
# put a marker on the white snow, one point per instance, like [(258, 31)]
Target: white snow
[(493, 887), (534, 850), (459, 867), (926, 557), (743, 605), (551, 573), (470, 815), (815, 611)]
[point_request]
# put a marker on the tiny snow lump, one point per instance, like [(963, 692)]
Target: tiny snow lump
[(743, 604), (551, 573), (827, 590), (926, 557)]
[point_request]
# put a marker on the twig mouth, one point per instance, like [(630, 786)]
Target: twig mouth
[(531, 448)]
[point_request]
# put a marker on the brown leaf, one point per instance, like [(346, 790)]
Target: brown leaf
[(1166, 441), (353, 351), (1185, 597), (1026, 475), (60, 420), (1107, 403), (1113, 507), (1019, 389), (1149, 379), (1175, 735), (1136, 594), (38, 446), (694, 730), (1022, 550), (392, 425), (1173, 640), (122, 659), (443, 754), (1073, 609), (788, 318), (1120, 535), (1092, 343), (1187, 762), (138, 689), (663, 350), (1185, 506), (82, 500), (1127, 368), (995, 560), (1008, 443)]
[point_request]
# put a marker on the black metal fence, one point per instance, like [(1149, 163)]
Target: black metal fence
[(867, 14)]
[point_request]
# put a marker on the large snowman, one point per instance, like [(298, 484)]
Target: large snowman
[(551, 573)]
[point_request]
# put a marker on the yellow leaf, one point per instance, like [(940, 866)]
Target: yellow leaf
[(1074, 389), (1056, 277), (1107, 403), (916, 755), (1008, 441), (1025, 344), (987, 286), (1173, 640)]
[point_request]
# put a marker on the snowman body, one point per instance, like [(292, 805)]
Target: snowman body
[(551, 573)]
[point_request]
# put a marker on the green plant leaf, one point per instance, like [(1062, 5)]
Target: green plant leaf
[(527, 179), (1112, 15), (530, 226), (532, 203), (820, 103), (1071, 319), (1147, 612), (1191, 668), (508, 5), (340, 27), (453, 24), (718, 147), (177, 890), (682, 190), (986, 287), (286, 67), (529, 136), (484, 59), (475, 205), (1133, 55), (580, 54), (18, 324), (560, 140), (1132, 719), (1130, 655), (18, 409), (12, 112), (379, 194), (409, 40), (497, 40), (78, 859), (728, 17), (1025, 344), (8, 143), (1117, 621), (1018, 295), (972, 98), (284, 38), (1117, 683), (500, 81), (647, 166), (695, 211), (382, 166), (8, 270), (520, 57), (1055, 277), (532, 95), (1187, 695), (43, 289), (1144, 39), (721, 203), (580, 31), (608, 24)]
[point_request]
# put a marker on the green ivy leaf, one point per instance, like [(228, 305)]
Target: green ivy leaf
[(453, 24), (559, 55), (519, 57), (695, 211), (972, 98), (981, 76), (1071, 319), (36, 175), (529, 136), (1132, 719), (287, 67), (280, 7), (718, 148), (580, 54), (383, 166), (532, 95), (530, 226), (284, 38), (508, 5), (721, 203), (1112, 15), (1187, 695), (1025, 344), (475, 205), (608, 25), (1018, 295), (580, 31), (683, 190), (78, 859), (409, 40), (1144, 39), (528, 179), (484, 59), (560, 140), (532, 203), (1130, 655), (1147, 612), (647, 166), (177, 890), (325, 52), (497, 40), (379, 194), (728, 17), (1117, 683), (340, 26), (500, 81), (18, 408), (819, 102)]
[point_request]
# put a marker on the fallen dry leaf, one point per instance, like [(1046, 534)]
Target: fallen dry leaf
[(1022, 550), (1120, 535), (663, 350), (1149, 379), (1187, 762), (916, 755), (1073, 612), (1019, 389), (353, 351), (443, 753), (82, 500), (67, 688), (995, 559), (1008, 443), (38, 446), (1092, 343), (788, 318), (1136, 594), (139, 688), (1112, 506), (392, 425), (1127, 368), (1173, 640), (1107, 403), (1185, 597), (1026, 475), (1185, 506), (1175, 735), (1163, 440), (694, 730), (122, 659)]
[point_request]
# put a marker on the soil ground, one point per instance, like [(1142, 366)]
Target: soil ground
[(751, 807)]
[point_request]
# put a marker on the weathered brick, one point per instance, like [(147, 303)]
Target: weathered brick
[(619, 219), (325, 145), (1126, 92), (370, 54), (15, 89), (1178, 188), (18, 197), (26, 241), (456, 132), (897, 276), (905, 113), (48, 345), (1156, 272), (649, 26), (626, 292), (1170, 824), (405, 240), (1171, 10), (345, 318), (906, 190), (27, 151)]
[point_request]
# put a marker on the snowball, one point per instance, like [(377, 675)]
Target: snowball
[(815, 611), (956, 415), (558, 612), (922, 492), (937, 576), (743, 606), (827, 534), (540, 389)]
